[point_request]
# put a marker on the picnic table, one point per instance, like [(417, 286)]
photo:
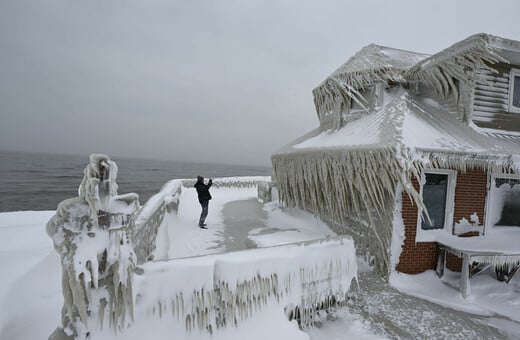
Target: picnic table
[(499, 249)]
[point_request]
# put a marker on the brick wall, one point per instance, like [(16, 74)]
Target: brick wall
[(415, 257), (470, 197)]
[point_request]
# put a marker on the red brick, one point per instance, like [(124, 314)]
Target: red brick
[(470, 197)]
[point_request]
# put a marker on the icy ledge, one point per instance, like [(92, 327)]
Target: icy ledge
[(216, 291)]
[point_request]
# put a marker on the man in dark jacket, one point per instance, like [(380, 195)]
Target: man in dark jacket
[(204, 197)]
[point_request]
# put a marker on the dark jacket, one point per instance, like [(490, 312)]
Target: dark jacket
[(203, 190)]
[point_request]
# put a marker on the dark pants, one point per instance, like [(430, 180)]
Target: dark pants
[(204, 213)]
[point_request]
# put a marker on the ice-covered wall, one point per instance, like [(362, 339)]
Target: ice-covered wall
[(91, 233), (147, 223), (353, 190), (210, 292), (101, 237)]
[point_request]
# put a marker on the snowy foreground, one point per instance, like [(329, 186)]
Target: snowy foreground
[(31, 300)]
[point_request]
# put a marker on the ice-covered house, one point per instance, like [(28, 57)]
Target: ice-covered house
[(413, 150)]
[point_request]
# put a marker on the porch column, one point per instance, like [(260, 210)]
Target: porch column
[(465, 288)]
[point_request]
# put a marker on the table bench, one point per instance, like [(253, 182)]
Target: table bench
[(474, 262)]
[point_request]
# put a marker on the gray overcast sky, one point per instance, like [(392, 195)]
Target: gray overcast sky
[(209, 81)]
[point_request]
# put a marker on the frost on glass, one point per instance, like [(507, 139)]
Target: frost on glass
[(91, 234), (505, 206)]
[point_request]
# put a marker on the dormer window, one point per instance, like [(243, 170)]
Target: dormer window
[(371, 97), (514, 91), (364, 102)]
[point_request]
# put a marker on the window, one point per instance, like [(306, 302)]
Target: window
[(368, 100), (437, 191), (504, 200), (514, 91), (365, 100)]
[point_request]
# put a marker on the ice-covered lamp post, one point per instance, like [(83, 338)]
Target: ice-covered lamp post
[(92, 234)]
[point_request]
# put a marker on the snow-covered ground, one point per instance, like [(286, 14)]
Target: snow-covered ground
[(30, 292)]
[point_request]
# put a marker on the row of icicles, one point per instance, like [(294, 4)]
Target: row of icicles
[(224, 306)]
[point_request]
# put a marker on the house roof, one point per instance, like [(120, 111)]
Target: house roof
[(372, 64), (378, 64), (417, 127), (374, 58)]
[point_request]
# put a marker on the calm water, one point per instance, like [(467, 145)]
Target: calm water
[(41, 181)]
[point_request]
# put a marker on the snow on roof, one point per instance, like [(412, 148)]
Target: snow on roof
[(375, 130), (376, 57), (365, 131), (415, 124), (372, 64), (442, 71), (481, 44), (459, 61)]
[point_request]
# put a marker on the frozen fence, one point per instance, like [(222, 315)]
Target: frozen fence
[(231, 182), (147, 222), (215, 291)]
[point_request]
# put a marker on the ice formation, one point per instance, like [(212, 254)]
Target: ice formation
[(231, 182), (91, 233), (147, 223), (102, 236), (210, 292), (464, 226), (351, 180)]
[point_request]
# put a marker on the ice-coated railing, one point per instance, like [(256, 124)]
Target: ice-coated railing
[(231, 182), (209, 292), (147, 222)]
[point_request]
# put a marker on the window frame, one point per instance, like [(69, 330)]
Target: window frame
[(515, 72), (370, 92), (423, 235), (491, 180)]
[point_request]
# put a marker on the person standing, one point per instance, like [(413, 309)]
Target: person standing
[(204, 197)]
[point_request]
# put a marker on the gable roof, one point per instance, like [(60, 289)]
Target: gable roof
[(415, 126), (379, 64), (372, 64), (373, 58)]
